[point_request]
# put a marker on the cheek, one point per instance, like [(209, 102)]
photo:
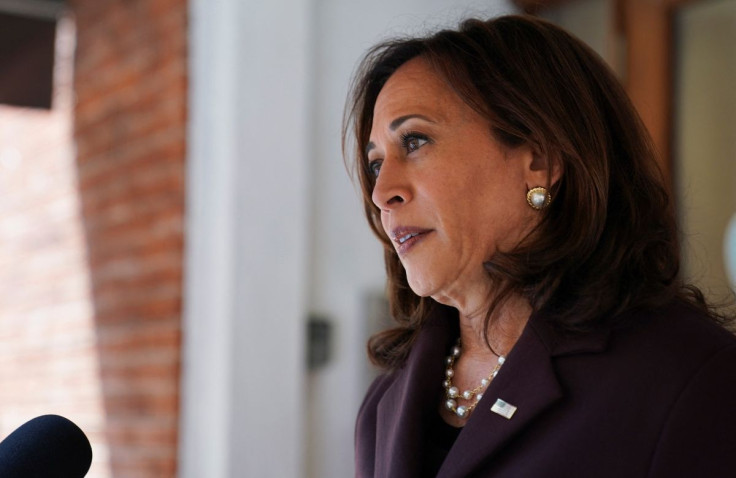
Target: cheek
[(384, 222), (490, 215), (385, 227)]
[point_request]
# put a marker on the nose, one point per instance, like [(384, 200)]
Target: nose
[(392, 187)]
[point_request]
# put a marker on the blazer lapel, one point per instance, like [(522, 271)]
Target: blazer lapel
[(405, 407), (527, 381)]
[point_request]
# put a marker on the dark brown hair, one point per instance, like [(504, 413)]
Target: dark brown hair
[(608, 241)]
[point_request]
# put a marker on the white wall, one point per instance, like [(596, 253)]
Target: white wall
[(246, 239), (276, 231)]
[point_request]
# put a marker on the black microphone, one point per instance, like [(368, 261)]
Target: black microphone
[(48, 446)]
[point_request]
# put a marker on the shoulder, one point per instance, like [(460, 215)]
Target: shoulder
[(668, 347), (698, 437), (373, 396), (661, 386), (677, 332), (687, 363), (365, 427)]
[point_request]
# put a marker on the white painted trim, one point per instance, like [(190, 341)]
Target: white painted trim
[(244, 308), (204, 446)]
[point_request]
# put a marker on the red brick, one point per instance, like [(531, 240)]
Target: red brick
[(90, 278)]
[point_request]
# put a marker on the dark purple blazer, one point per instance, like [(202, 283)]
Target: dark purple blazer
[(652, 399)]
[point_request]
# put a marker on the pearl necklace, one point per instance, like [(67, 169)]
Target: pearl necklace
[(452, 393)]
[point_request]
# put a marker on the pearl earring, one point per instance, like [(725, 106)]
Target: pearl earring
[(538, 198)]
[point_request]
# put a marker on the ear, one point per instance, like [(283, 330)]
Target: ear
[(541, 170)]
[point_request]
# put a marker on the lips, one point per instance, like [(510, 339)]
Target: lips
[(405, 237)]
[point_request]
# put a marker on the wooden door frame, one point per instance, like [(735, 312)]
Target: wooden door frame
[(646, 28)]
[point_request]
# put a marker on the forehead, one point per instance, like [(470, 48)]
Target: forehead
[(416, 88)]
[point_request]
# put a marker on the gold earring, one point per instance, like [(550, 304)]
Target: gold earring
[(538, 198)]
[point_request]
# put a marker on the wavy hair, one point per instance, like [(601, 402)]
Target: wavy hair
[(607, 243)]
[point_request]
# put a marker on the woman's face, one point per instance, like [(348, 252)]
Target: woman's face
[(450, 195)]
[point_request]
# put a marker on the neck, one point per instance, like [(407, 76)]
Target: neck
[(503, 330), (472, 297)]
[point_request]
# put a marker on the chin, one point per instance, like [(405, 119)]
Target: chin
[(419, 284)]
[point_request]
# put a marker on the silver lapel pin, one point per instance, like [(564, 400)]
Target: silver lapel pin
[(504, 409)]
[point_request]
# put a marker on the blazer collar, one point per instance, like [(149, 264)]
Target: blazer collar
[(526, 381)]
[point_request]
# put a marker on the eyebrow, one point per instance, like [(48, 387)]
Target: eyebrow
[(394, 125)]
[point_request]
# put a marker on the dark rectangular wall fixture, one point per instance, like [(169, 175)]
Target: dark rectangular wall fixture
[(26, 60), (319, 342)]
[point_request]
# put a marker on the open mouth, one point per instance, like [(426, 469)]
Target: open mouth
[(406, 237)]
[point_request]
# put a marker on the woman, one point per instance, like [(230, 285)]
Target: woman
[(542, 328)]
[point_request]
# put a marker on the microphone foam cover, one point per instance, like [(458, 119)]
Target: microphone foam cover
[(48, 446)]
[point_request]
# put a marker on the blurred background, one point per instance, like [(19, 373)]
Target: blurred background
[(185, 270)]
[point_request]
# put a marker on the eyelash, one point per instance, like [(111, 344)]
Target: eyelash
[(404, 139), (373, 164), (409, 135)]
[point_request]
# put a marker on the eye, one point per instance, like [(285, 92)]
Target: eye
[(412, 141), (375, 167)]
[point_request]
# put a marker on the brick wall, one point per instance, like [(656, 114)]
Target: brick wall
[(129, 127), (91, 236)]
